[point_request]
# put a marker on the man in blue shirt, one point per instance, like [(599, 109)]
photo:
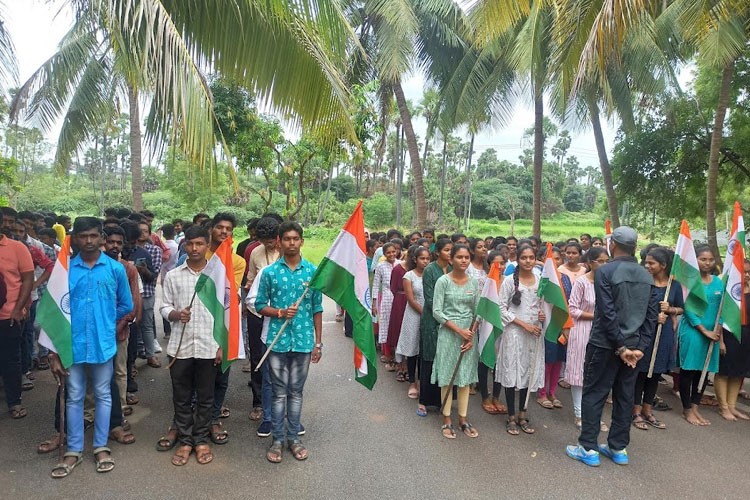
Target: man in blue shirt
[(281, 285), (99, 297)]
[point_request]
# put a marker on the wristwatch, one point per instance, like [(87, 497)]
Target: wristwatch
[(319, 346), (620, 350)]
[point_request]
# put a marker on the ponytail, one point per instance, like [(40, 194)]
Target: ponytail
[(516, 300)]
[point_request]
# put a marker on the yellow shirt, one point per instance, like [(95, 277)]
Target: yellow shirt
[(60, 231), (238, 267)]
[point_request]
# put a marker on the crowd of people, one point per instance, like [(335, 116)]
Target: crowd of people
[(425, 289)]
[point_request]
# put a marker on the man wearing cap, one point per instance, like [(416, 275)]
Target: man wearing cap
[(624, 320)]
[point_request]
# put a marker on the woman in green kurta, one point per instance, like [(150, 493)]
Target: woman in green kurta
[(429, 394), (455, 300), (695, 335)]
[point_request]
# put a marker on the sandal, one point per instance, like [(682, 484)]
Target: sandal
[(298, 451), (511, 427), (501, 408), (564, 384), (256, 413), (413, 393), (469, 430), (400, 377), (122, 436), (63, 469), (131, 399), (390, 367), (489, 406), (219, 437), (224, 412), (17, 412), (168, 441), (653, 422), (127, 411), (105, 464), (49, 445), (421, 411), (556, 403), (451, 431), (274, 453), (182, 455), (525, 426), (43, 363), (639, 423), (203, 454), (545, 403)]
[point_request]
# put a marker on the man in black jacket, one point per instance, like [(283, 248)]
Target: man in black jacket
[(624, 321)]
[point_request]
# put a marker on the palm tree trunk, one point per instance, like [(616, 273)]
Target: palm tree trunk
[(416, 164), (536, 216), (467, 194), (601, 150), (136, 171), (717, 135), (442, 180)]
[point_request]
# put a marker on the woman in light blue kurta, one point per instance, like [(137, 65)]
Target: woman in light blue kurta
[(695, 335), (454, 303)]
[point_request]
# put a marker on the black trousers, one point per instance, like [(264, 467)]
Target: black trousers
[(221, 385), (193, 376), (10, 360), (132, 355), (254, 329), (348, 326), (429, 393), (645, 388), (604, 371), (690, 392)]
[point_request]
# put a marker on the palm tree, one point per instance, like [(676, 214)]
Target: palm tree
[(291, 53), (8, 63)]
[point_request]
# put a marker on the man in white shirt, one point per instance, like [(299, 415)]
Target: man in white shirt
[(197, 353)]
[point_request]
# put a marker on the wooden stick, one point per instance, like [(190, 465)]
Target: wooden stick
[(453, 378), (61, 433), (658, 332), (182, 333), (281, 330), (711, 345)]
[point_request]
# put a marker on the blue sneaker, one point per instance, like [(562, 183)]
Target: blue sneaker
[(264, 429), (301, 430), (620, 457), (578, 452)]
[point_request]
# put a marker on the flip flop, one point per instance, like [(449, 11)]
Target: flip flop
[(525, 426), (545, 403), (224, 412), (451, 434), (203, 454), (469, 430), (490, 407), (170, 442), (653, 422), (220, 437), (421, 412), (182, 455)]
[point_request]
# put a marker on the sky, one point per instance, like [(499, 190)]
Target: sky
[(37, 25)]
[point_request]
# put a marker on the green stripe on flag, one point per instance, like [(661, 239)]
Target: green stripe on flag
[(206, 291), (57, 328)]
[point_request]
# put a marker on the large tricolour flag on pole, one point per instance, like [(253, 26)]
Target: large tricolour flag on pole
[(685, 270), (733, 274), (555, 302), (607, 234), (343, 276), (53, 311), (489, 310), (217, 290)]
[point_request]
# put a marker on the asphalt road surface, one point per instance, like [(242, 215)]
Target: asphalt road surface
[(371, 445)]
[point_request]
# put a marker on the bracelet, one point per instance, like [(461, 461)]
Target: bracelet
[(278, 314)]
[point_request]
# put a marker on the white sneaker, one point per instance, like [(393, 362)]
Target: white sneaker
[(157, 346)]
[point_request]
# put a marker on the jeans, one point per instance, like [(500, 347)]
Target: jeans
[(148, 326), (27, 340), (101, 378), (288, 375), (603, 371), (221, 384), (10, 361), (266, 390), (115, 417)]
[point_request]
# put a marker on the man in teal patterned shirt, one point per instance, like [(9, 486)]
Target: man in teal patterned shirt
[(281, 285)]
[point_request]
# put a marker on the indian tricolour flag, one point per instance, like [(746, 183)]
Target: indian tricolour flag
[(489, 310), (607, 234), (343, 276), (555, 302), (685, 270), (218, 292), (733, 274), (53, 311)]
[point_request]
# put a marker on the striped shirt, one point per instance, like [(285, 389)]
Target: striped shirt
[(149, 288), (198, 340)]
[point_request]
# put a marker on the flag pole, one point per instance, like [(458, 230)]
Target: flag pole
[(182, 333), (281, 330), (658, 331), (61, 433), (711, 345)]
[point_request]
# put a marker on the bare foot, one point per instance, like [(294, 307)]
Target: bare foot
[(737, 413), (690, 416), (727, 415)]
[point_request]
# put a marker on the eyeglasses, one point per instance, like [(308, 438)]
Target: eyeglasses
[(600, 261)]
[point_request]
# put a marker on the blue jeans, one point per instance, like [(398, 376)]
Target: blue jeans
[(266, 391), (288, 372), (101, 378), (27, 340)]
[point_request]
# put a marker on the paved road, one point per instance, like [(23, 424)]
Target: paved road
[(371, 445)]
